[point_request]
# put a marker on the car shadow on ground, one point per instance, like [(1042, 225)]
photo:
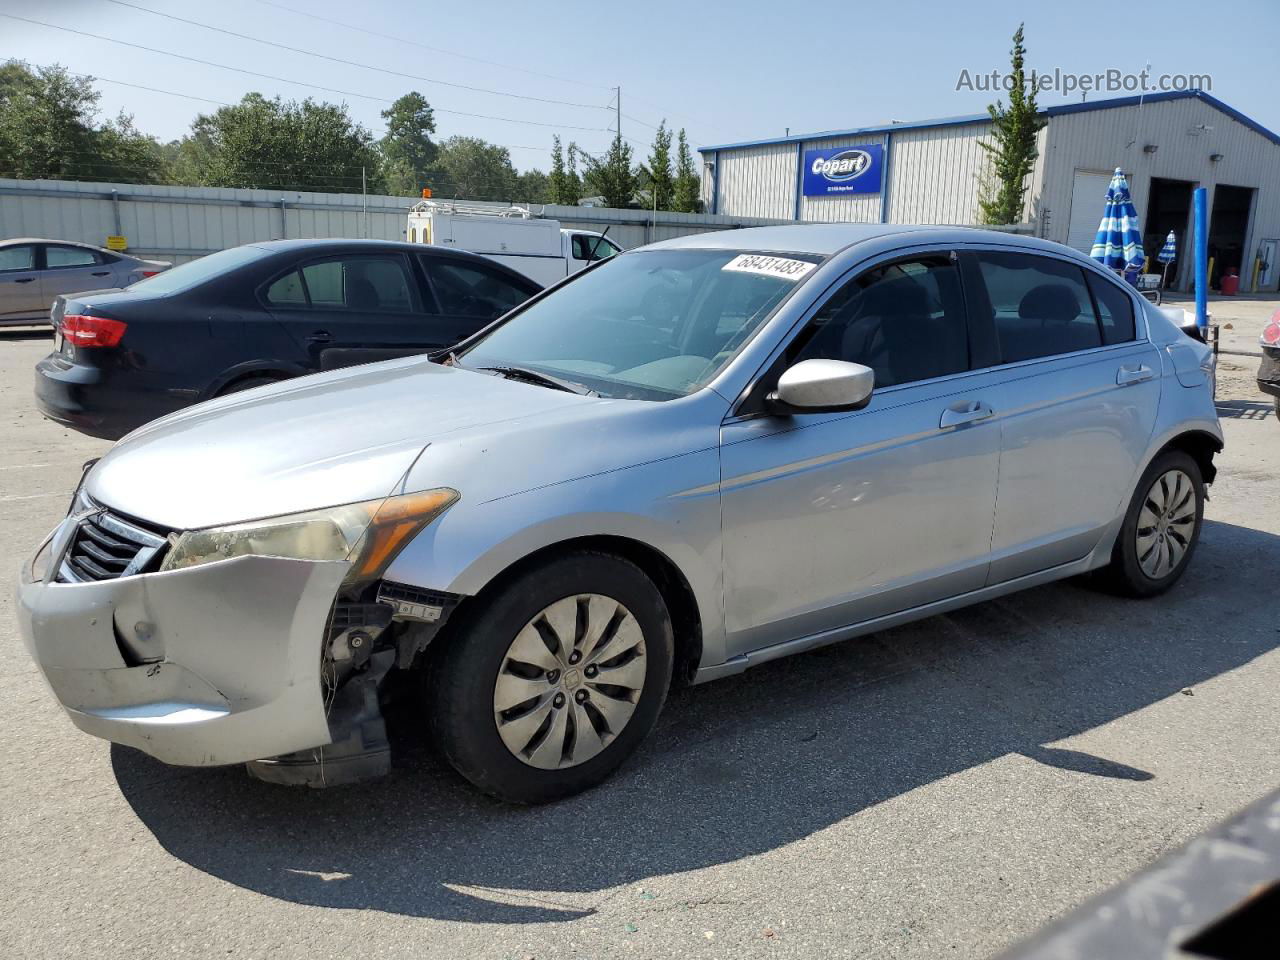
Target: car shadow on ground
[(735, 768), (26, 333), (1246, 409)]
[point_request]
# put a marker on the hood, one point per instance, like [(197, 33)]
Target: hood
[(318, 441)]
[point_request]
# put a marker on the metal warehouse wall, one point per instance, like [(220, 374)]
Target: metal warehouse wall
[(932, 176), (182, 223), (1099, 141)]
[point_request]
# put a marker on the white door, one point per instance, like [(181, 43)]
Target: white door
[(1088, 200)]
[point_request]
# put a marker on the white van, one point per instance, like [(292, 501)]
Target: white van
[(540, 249)]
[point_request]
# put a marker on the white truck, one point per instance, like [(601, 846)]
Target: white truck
[(540, 249)]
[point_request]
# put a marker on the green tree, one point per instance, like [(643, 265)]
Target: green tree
[(283, 145), (687, 185), (655, 175), (612, 176), (533, 186), (1012, 150), (49, 129), (571, 171), (408, 152), (561, 181), (470, 168)]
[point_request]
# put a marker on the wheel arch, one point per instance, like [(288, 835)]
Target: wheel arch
[(1201, 445), (682, 605), (255, 368)]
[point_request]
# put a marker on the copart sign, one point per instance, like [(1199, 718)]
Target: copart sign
[(840, 170)]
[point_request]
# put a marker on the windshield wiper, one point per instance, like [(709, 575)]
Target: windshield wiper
[(542, 379)]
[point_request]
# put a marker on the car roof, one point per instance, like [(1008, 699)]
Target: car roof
[(825, 239), (18, 241)]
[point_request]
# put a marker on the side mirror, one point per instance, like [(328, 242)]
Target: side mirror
[(822, 386)]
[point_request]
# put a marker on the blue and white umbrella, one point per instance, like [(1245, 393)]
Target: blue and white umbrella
[(1118, 244), (1169, 252)]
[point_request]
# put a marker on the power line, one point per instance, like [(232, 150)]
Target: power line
[(424, 46), (353, 63), (139, 86), (300, 83)]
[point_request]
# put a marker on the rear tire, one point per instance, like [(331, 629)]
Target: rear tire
[(1161, 527), (571, 659)]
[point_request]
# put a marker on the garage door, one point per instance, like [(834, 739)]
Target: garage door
[(1088, 200)]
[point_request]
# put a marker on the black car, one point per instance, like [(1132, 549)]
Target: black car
[(255, 314)]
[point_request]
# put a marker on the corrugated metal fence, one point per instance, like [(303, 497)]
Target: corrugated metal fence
[(182, 223)]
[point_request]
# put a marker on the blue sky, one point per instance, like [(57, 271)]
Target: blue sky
[(724, 71)]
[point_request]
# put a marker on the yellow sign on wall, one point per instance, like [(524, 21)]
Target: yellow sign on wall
[(117, 243)]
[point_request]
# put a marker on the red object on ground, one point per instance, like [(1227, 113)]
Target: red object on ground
[(1230, 285)]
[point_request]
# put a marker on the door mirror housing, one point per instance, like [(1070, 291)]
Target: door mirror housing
[(822, 386)]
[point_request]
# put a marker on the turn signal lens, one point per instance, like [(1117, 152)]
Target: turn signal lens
[(85, 331)]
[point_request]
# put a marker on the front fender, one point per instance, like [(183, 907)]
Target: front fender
[(672, 506)]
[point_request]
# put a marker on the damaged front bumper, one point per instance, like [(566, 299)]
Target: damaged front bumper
[(215, 664)]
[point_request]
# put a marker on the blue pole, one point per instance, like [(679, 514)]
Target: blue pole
[(1202, 257)]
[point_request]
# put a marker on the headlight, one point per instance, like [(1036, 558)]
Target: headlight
[(368, 534)]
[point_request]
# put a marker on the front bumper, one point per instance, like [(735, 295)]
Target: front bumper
[(233, 671)]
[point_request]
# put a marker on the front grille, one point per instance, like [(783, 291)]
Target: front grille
[(106, 547)]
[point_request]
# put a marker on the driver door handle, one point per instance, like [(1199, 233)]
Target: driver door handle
[(320, 336), (962, 413), (1130, 375), (24, 280)]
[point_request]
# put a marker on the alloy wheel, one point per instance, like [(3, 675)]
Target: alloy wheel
[(1166, 524), (570, 681)]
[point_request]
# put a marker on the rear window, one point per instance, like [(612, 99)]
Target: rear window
[(1115, 311), (188, 275)]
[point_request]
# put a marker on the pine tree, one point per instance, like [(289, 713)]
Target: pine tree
[(561, 188), (613, 177), (1013, 149), (656, 174), (687, 186)]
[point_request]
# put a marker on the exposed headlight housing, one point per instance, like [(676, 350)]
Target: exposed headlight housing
[(368, 535)]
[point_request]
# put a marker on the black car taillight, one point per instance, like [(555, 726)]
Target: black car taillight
[(85, 331)]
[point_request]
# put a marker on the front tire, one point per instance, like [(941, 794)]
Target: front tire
[(1161, 527), (551, 683)]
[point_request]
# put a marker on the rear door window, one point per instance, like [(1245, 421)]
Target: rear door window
[(1041, 306), (1115, 310), (69, 257), (363, 284)]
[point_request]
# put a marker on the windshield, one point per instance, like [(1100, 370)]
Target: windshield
[(651, 325), (187, 275)]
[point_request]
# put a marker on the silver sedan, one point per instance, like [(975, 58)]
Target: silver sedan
[(33, 273), (687, 460)]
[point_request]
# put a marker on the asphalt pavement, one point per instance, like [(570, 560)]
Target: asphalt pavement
[(938, 790)]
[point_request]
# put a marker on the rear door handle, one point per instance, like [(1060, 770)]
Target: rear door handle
[(963, 413), (100, 273), (1126, 376), (320, 336), (24, 280)]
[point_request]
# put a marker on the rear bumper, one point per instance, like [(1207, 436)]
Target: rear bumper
[(1269, 372), (76, 396), (233, 671)]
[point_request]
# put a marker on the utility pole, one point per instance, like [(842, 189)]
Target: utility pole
[(364, 192), (618, 112)]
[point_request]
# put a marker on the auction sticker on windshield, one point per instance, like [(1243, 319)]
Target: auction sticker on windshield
[(781, 267)]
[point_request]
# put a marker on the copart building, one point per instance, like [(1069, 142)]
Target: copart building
[(931, 171)]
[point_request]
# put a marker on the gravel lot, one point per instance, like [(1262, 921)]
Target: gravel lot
[(942, 789)]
